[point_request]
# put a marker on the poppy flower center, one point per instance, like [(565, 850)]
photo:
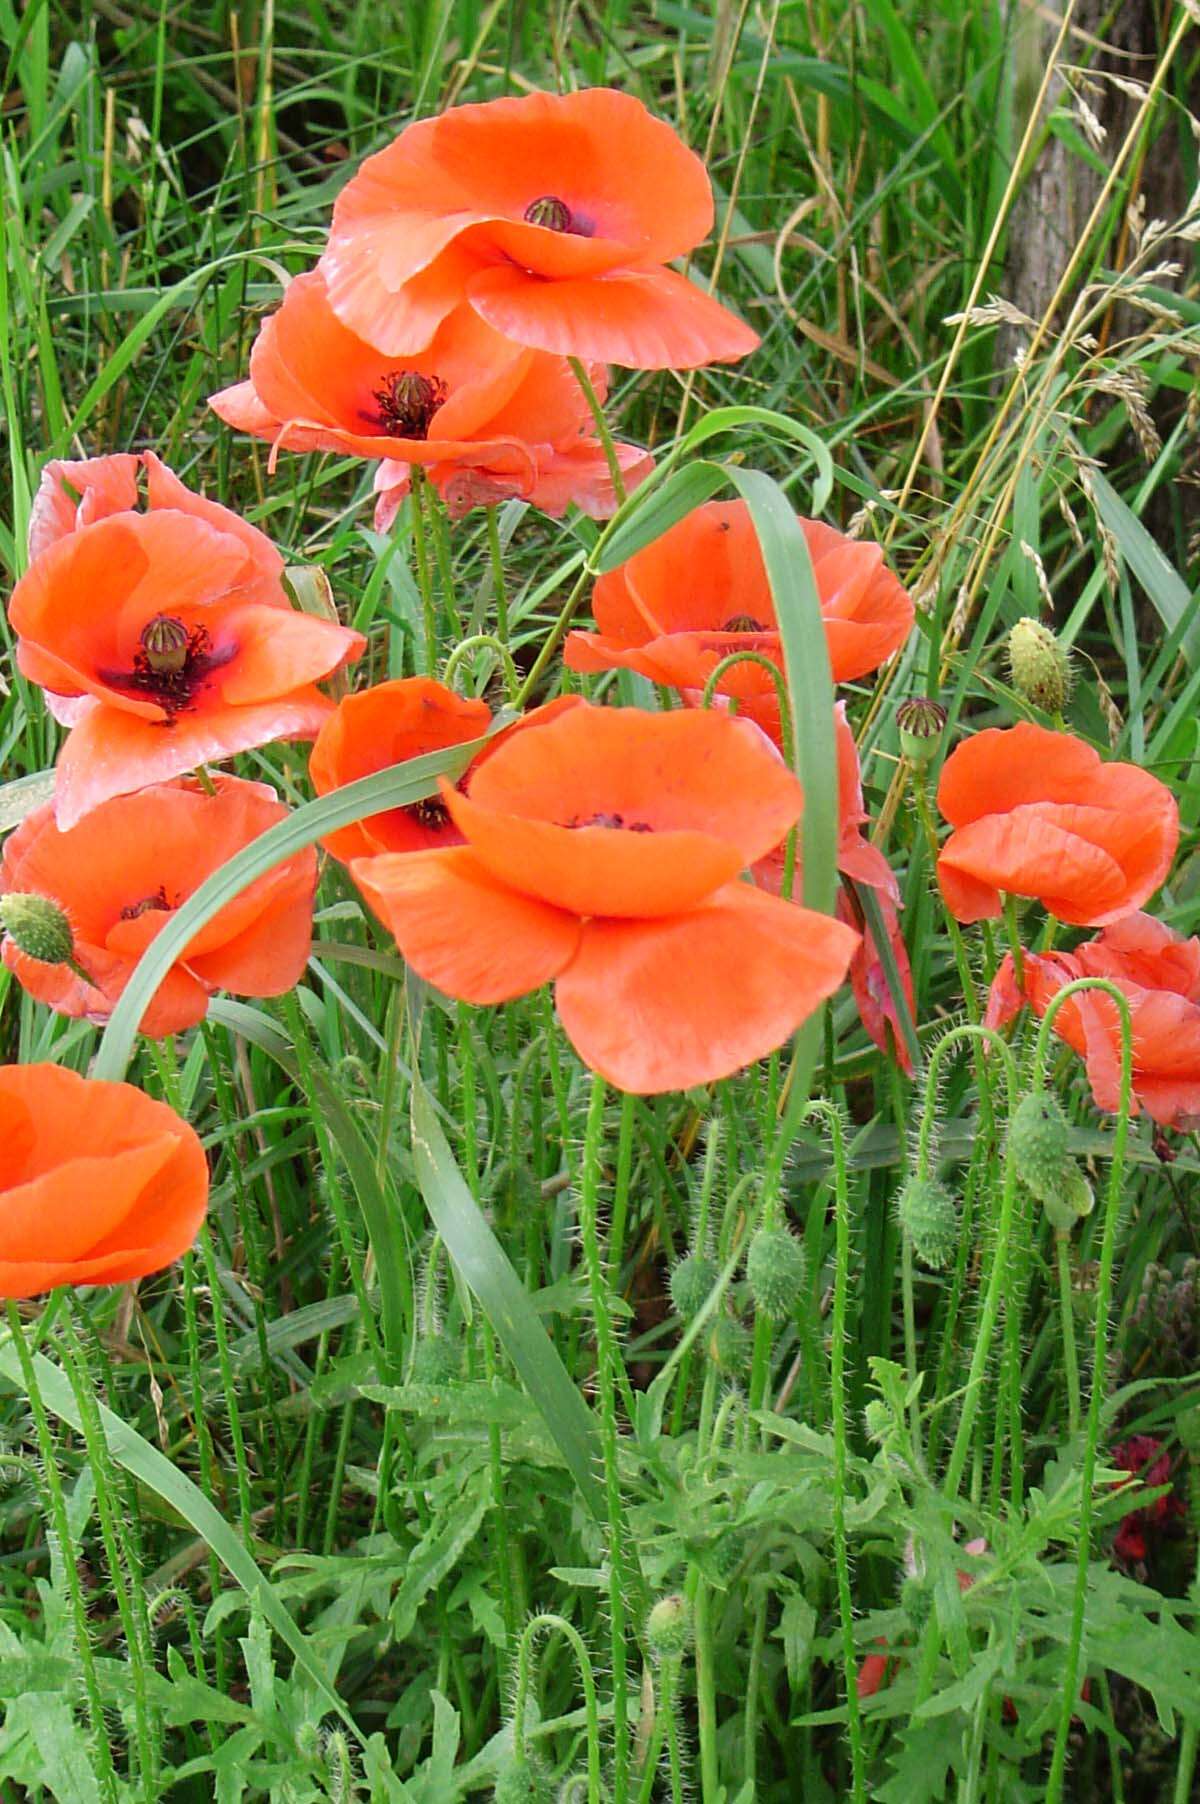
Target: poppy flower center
[(430, 812), (744, 623), (550, 212), (171, 662), (408, 401), (603, 819), (134, 910)]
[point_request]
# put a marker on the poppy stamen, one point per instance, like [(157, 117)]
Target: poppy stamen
[(134, 910), (430, 812), (407, 403), (603, 819)]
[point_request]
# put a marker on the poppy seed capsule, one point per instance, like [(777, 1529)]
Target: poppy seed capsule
[(1038, 1140), (38, 928), (550, 212), (165, 641), (1071, 1201), (691, 1281), (1039, 665), (775, 1269), (523, 1783), (669, 1628), (929, 1216), (921, 722)]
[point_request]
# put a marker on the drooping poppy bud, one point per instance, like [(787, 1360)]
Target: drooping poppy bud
[(775, 1272), (523, 1782), (1039, 665), (38, 927), (692, 1278), (929, 1216), (1037, 1135), (669, 1628)]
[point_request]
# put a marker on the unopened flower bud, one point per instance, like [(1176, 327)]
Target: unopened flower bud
[(1039, 665), (523, 1782), (775, 1269), (1038, 1137), (38, 928), (669, 1628), (929, 1216), (1071, 1201), (729, 1346), (921, 722), (692, 1280)]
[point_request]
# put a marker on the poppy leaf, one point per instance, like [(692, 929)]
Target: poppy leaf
[(683, 490), (151, 1468), (1163, 584), (868, 901), (395, 787), (21, 797), (484, 1267)]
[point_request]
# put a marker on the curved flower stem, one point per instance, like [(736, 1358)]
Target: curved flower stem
[(61, 1526), (501, 650), (579, 371), (837, 1393), (670, 1698), (499, 584), (1062, 1253), (533, 1628), (773, 671), (1112, 1211), (961, 960), (1013, 927), (607, 1379)]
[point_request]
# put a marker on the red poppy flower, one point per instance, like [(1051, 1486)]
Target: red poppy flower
[(552, 215), (1159, 974), (1038, 813), (1148, 1462), (72, 495), (123, 871), (601, 853), (700, 593), (488, 418), (388, 725), (153, 625), (98, 1184)]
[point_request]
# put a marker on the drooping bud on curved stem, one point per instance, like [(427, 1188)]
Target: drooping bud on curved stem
[(39, 928)]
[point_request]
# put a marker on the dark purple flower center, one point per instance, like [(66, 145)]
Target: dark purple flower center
[(171, 662), (603, 819), (407, 403), (158, 900)]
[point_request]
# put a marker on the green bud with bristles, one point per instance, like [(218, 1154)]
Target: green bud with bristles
[(38, 928), (669, 1628), (1038, 1139), (929, 1216), (729, 1346), (1040, 666), (1073, 1199), (775, 1270), (523, 1782), (692, 1280)]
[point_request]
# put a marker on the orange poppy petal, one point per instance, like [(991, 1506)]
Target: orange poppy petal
[(165, 490), (662, 1005), (1028, 852), (643, 319), (111, 753), (100, 485), (268, 958), (63, 1213), (1004, 767), (462, 931), (279, 651)]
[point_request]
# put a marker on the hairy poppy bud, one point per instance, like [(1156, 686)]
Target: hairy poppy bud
[(691, 1281), (165, 643), (523, 1782), (775, 1268), (916, 1600), (729, 1346), (1070, 1201), (436, 1360), (1040, 667), (921, 722), (669, 1628), (38, 928), (929, 1216), (1038, 1137)]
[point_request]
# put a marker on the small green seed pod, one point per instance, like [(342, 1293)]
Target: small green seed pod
[(38, 928), (1038, 1138), (691, 1281), (1040, 666), (921, 723), (1071, 1201), (929, 1216), (775, 1271), (729, 1346), (669, 1628)]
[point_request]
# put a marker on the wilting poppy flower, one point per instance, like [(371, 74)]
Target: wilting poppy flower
[(1147, 1461), (72, 495), (1038, 813), (119, 876), (154, 630), (602, 852), (388, 725), (700, 593), (552, 216), (489, 419), (1158, 972), (98, 1184)]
